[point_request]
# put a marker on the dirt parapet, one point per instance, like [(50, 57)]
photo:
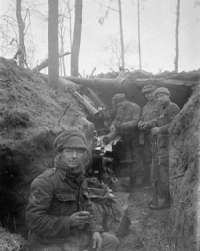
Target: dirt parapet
[(184, 169), (31, 116)]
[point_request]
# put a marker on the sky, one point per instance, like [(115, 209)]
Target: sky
[(157, 29)]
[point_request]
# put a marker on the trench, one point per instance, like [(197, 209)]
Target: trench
[(26, 151), (18, 168), (149, 229)]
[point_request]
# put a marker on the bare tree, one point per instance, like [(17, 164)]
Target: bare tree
[(8, 34), (139, 47), (121, 34), (64, 15), (76, 38), (70, 21), (177, 36), (140, 6), (16, 32), (103, 18), (53, 72), (61, 33), (21, 26), (113, 48)]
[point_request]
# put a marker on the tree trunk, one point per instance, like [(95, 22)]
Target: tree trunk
[(76, 38), (70, 23), (177, 36), (100, 82), (45, 63), (121, 34), (139, 48), (21, 27), (53, 72), (62, 59)]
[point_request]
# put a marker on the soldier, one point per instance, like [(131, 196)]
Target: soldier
[(160, 126), (149, 112), (59, 214), (126, 125)]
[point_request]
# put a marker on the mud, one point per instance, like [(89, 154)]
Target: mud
[(148, 230)]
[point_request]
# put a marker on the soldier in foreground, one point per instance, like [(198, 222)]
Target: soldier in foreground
[(126, 125), (149, 112), (160, 126), (59, 214)]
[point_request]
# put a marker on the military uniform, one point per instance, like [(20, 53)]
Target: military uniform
[(167, 114), (128, 117), (54, 197), (149, 112), (127, 123)]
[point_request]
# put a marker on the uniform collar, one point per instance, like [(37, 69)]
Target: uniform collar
[(152, 102), (62, 174), (165, 105)]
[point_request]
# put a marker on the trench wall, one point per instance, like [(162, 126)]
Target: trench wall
[(184, 173)]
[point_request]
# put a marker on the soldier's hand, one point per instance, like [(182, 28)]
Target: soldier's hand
[(143, 126), (140, 124), (79, 219), (97, 241), (155, 130), (112, 128), (119, 126)]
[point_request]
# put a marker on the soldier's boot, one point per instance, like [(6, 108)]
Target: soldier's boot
[(128, 156), (162, 202)]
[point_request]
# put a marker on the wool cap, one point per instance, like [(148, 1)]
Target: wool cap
[(70, 139), (118, 97), (148, 88), (162, 90)]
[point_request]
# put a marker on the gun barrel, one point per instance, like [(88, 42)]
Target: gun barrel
[(89, 107)]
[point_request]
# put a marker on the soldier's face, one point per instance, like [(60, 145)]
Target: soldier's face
[(149, 96), (163, 98), (73, 158), (121, 104)]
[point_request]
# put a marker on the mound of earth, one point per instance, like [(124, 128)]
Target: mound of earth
[(184, 173), (32, 115)]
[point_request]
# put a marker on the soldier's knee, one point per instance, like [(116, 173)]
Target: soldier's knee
[(110, 241)]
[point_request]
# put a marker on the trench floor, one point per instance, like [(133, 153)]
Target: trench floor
[(148, 227)]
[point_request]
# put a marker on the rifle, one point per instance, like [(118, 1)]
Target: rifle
[(154, 173)]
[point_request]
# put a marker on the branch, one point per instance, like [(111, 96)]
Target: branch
[(27, 11), (177, 176), (44, 64)]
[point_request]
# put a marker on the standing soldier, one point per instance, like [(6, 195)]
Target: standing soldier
[(149, 112), (126, 125), (160, 126)]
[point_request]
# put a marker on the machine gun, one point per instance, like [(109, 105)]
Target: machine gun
[(154, 172)]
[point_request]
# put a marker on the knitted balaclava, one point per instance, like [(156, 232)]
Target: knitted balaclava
[(70, 139)]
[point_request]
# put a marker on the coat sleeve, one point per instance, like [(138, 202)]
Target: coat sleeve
[(134, 120), (88, 206), (173, 111), (37, 217), (118, 117), (152, 123), (94, 225)]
